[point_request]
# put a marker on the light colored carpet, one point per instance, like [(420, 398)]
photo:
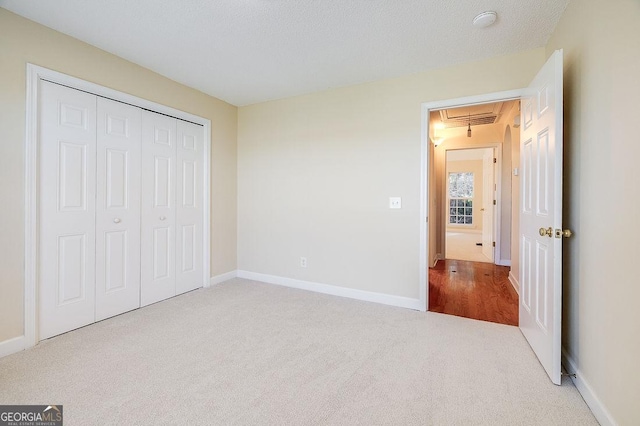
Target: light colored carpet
[(252, 353), (462, 246)]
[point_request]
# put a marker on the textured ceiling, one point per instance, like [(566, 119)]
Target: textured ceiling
[(249, 51)]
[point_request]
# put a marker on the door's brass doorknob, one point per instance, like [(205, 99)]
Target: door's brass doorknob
[(548, 232), (566, 233)]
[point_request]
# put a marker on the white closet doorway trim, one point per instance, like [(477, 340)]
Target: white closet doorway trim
[(34, 75)]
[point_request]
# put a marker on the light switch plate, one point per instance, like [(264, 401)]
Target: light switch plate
[(395, 202), (516, 171)]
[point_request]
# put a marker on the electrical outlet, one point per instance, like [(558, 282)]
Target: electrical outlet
[(303, 262), (395, 202)]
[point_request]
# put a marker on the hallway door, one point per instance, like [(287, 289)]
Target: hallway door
[(541, 216), (488, 195)]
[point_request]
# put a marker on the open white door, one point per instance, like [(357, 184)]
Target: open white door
[(541, 216), (488, 195)]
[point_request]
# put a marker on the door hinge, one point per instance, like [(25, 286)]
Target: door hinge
[(495, 160), (494, 243), (494, 202)]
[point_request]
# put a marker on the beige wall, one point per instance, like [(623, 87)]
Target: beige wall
[(24, 41), (510, 191), (434, 213), (505, 196), (507, 181), (475, 167), (515, 205), (601, 317), (513, 133), (315, 173)]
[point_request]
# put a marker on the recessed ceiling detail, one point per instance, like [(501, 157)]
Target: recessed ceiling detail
[(477, 114), (249, 51)]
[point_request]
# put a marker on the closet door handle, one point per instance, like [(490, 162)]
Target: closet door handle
[(162, 218), (116, 220)]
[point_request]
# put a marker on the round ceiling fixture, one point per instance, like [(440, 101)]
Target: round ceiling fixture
[(485, 19)]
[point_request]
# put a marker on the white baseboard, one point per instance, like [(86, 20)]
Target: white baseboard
[(436, 259), (514, 282), (12, 346), (597, 407), (504, 262), (223, 277), (368, 296)]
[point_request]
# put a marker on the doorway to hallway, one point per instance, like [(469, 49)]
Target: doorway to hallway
[(473, 162), (539, 216), (472, 182)]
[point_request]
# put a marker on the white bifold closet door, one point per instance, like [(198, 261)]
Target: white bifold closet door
[(158, 207), (189, 208), (117, 208), (67, 209), (121, 211), (172, 209), (89, 212)]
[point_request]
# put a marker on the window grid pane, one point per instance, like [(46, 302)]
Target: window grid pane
[(461, 198), (461, 211)]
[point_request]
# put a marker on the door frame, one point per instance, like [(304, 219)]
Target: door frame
[(497, 180), (427, 107), (36, 73)]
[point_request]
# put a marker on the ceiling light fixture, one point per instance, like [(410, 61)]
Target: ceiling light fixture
[(469, 128), (485, 19)]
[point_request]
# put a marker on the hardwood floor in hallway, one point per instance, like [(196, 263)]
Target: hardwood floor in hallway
[(473, 290)]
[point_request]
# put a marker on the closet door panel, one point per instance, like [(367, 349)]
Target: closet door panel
[(158, 207), (66, 216), (117, 208), (190, 209)]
